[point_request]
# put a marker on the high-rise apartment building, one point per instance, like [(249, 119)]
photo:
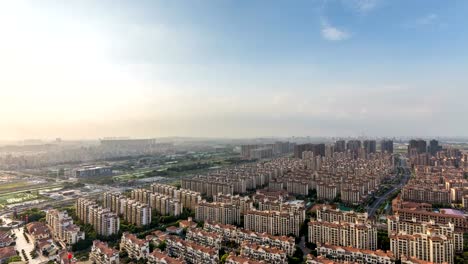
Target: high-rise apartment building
[(104, 221), (353, 146), (370, 146), (357, 235), (163, 204), (434, 147), (340, 146), (273, 222), (217, 212), (317, 149), (342, 228), (419, 146), (386, 145), (132, 211), (423, 246)]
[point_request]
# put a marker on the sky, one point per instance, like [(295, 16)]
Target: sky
[(83, 69)]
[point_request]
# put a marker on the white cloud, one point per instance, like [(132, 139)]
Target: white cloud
[(362, 6), (427, 19), (332, 33)]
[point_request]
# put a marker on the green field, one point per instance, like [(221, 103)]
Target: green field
[(13, 185), (14, 198), (133, 175)]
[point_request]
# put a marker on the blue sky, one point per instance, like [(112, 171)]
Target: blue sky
[(82, 69)]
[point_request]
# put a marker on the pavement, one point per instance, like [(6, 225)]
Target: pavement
[(303, 247), (21, 243)]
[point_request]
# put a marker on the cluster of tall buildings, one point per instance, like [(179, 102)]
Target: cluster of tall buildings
[(188, 198), (104, 221), (163, 204), (417, 231), (339, 174), (132, 211), (436, 185), (63, 228), (355, 147), (263, 151)]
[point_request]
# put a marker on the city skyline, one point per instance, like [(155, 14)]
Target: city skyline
[(233, 69)]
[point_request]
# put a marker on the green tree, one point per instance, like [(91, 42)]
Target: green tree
[(223, 258), (14, 259), (162, 246)]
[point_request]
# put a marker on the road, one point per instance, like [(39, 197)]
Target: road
[(303, 247), (376, 204)]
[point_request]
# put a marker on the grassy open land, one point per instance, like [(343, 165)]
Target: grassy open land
[(133, 175), (14, 185), (18, 194), (20, 197)]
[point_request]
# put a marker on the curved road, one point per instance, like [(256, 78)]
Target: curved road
[(376, 204)]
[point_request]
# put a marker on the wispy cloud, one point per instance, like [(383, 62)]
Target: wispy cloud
[(362, 6), (427, 19), (332, 33), (430, 19)]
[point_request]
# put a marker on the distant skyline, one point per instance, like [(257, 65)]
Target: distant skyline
[(224, 68)]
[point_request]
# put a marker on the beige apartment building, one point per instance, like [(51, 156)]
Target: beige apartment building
[(158, 257), (101, 253), (191, 252), (434, 248), (395, 225), (104, 222), (224, 213), (63, 228), (135, 247), (357, 235), (354, 255), (240, 235), (273, 222), (204, 238), (188, 198), (266, 253)]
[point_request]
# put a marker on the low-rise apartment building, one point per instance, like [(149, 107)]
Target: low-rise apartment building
[(266, 253), (204, 238), (136, 248), (158, 257), (233, 259), (353, 255), (101, 253), (191, 252)]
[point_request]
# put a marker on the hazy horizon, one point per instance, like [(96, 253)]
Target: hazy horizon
[(232, 69)]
